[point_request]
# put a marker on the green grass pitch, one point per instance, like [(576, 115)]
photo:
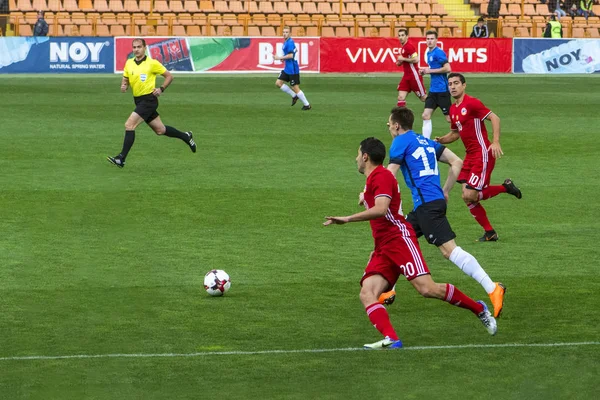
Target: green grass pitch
[(96, 260)]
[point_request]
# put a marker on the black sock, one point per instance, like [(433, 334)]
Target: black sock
[(172, 132), (127, 143)]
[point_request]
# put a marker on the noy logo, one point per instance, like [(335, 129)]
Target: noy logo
[(458, 55), (266, 50), (77, 52), (382, 55), (563, 60)]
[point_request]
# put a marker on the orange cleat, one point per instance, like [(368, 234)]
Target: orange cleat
[(497, 298), (387, 298)]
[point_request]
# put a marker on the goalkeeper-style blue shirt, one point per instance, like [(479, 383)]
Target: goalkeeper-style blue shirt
[(291, 65), (436, 58), (417, 157)]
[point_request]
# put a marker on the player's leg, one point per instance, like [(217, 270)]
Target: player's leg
[(430, 105), (161, 129), (470, 266), (132, 122), (418, 88), (449, 293), (474, 176), (471, 198), (281, 84), (484, 172), (295, 84), (379, 276), (444, 102), (402, 98)]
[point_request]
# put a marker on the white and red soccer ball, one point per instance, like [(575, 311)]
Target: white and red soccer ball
[(217, 282)]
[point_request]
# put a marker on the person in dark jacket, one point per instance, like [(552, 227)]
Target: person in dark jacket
[(480, 30), (41, 26)]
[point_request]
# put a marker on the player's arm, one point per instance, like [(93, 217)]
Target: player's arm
[(413, 59), (288, 56), (450, 137), (444, 70), (382, 204), (393, 168), (455, 163), (124, 84), (168, 79), (495, 146)]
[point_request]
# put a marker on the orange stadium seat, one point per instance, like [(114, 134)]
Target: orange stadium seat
[(308, 8), (280, 7), (410, 9), (396, 9), (191, 6), (24, 6), (326, 31), (237, 7)]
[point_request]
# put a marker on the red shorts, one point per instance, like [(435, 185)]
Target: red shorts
[(401, 256), (412, 84), (477, 172)]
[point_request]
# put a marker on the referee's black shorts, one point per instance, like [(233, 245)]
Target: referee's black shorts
[(441, 100), (430, 220), (146, 106)]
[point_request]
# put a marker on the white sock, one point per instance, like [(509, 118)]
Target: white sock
[(302, 97), (469, 265), (427, 128), (288, 90)]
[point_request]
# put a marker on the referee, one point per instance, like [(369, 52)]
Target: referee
[(140, 73)]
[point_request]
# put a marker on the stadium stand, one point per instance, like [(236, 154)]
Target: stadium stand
[(358, 18)]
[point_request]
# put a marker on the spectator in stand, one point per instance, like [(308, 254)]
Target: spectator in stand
[(585, 8), (560, 4), (41, 26), (493, 12), (553, 28), (574, 10), (480, 30)]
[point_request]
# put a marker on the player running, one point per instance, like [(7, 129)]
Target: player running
[(438, 89), (396, 251), (468, 115), (291, 71), (411, 81), (140, 73), (417, 157)]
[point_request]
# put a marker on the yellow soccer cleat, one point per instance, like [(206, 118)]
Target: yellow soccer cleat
[(497, 298)]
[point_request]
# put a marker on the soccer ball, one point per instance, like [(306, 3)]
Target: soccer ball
[(217, 282)]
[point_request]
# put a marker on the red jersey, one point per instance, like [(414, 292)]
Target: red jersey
[(392, 225), (408, 51), (468, 118)]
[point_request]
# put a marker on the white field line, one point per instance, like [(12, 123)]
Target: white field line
[(270, 352)]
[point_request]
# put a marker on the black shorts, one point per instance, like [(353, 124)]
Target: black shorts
[(430, 220), (441, 100), (293, 79), (146, 106)]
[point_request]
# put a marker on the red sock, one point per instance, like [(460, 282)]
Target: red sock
[(381, 320), (491, 191), (478, 212), (401, 103), (459, 299)]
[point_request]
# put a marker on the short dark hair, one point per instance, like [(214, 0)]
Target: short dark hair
[(431, 32), (139, 40), (403, 30), (457, 75), (374, 148), (403, 116)]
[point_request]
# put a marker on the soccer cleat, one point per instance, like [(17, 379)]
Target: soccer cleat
[(497, 298), (487, 319), (385, 343), (511, 188), (294, 100), (191, 142), (387, 298), (489, 236), (306, 108), (116, 160)]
